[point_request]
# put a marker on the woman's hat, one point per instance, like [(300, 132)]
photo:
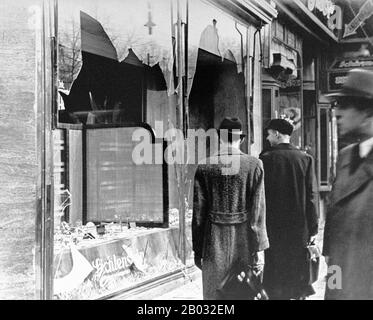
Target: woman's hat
[(359, 84), (233, 125), (281, 125)]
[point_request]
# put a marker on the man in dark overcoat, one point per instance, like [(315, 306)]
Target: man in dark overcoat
[(228, 222), (292, 214), (348, 233)]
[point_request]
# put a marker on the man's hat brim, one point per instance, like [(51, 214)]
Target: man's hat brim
[(348, 94)]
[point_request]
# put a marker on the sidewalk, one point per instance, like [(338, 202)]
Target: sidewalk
[(192, 289)]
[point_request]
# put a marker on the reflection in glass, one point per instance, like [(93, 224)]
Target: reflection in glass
[(116, 70), (115, 66)]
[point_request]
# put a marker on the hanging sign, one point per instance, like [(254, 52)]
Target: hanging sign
[(326, 12), (365, 12), (336, 80), (326, 7), (353, 63)]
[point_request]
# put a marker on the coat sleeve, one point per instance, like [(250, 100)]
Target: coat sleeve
[(199, 213), (258, 231), (327, 233), (312, 208), (328, 227)]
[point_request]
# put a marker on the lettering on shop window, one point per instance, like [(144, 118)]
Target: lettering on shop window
[(110, 265)]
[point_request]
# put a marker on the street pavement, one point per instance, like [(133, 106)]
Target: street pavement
[(192, 288)]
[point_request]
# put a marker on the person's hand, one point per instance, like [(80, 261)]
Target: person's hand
[(257, 262), (241, 277), (312, 239), (198, 262), (258, 269)]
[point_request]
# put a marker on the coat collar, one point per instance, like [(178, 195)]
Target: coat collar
[(347, 183), (346, 156), (228, 151), (283, 146)]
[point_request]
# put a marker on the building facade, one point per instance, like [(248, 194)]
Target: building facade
[(106, 223), (105, 100)]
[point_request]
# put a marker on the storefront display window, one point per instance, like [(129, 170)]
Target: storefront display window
[(90, 218), (221, 69), (116, 223), (217, 66), (115, 66)]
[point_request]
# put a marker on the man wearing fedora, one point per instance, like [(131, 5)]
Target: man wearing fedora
[(348, 233), (292, 214), (228, 222)]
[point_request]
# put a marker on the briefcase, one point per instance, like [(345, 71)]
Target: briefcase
[(250, 288), (313, 261)]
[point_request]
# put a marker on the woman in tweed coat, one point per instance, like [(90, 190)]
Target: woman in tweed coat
[(229, 210)]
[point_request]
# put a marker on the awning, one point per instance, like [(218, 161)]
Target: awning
[(255, 12), (280, 61), (283, 58)]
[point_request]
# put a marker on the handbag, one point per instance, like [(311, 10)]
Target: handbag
[(250, 288), (313, 261)]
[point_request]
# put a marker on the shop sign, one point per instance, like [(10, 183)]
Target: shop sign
[(336, 80), (326, 7), (95, 271), (353, 63), (336, 19), (327, 12), (110, 265)]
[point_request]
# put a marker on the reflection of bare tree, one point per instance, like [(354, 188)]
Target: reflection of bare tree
[(70, 59), (147, 49), (128, 40)]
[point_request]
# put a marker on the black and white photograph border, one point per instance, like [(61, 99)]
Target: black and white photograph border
[(137, 137)]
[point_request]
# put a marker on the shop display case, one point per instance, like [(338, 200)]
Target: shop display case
[(118, 260), (108, 182)]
